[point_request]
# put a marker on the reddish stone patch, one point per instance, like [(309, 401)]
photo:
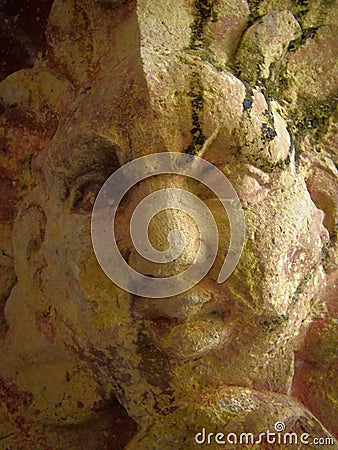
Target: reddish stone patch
[(16, 402), (316, 367), (8, 198), (311, 385), (45, 327)]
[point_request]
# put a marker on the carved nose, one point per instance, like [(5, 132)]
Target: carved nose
[(169, 243)]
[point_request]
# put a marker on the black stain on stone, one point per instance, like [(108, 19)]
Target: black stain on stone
[(268, 133), (268, 114), (203, 12), (198, 138), (314, 122), (308, 33), (254, 11)]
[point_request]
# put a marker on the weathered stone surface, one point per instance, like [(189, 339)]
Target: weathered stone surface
[(264, 44), (316, 362), (85, 364), (307, 65), (263, 136), (223, 32), (36, 95), (232, 410)]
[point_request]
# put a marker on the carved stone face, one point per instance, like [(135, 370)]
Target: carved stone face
[(159, 93)]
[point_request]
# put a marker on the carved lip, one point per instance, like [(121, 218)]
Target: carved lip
[(190, 325), (189, 338)]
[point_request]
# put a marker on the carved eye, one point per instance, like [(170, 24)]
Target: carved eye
[(101, 162), (84, 191)]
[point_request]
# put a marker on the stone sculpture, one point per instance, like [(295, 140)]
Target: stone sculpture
[(250, 87)]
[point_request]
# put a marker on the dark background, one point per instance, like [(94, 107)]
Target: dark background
[(22, 33)]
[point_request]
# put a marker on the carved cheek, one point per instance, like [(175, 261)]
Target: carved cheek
[(281, 248), (28, 238)]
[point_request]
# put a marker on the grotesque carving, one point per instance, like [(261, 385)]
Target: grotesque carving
[(221, 80)]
